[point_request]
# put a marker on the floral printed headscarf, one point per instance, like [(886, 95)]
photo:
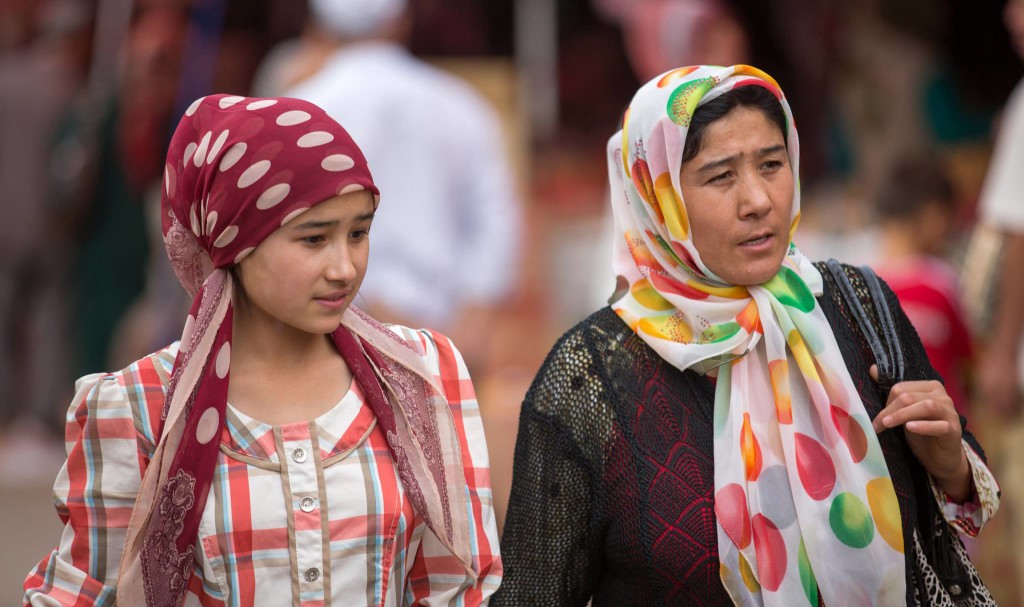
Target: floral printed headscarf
[(804, 502), (237, 169)]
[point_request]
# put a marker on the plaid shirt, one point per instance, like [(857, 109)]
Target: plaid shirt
[(306, 514)]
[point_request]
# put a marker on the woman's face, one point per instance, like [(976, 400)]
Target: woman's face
[(306, 273), (739, 196)]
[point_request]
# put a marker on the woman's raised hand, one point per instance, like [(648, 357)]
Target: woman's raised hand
[(933, 430)]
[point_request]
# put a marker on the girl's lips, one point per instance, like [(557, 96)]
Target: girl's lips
[(333, 301)]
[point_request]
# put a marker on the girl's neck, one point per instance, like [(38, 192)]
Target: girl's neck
[(261, 341)]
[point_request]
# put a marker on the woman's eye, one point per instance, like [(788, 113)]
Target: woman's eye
[(721, 177), (313, 239), (360, 234), (772, 165)]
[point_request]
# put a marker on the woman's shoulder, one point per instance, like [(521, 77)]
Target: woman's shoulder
[(601, 328), (584, 358)]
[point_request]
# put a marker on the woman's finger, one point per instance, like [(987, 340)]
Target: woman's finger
[(930, 427), (924, 409), (902, 401), (929, 386)]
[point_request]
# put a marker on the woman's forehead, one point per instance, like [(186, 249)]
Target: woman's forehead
[(744, 129)]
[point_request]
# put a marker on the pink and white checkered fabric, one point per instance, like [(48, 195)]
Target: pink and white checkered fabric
[(308, 514)]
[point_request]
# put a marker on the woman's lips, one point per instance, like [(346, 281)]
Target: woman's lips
[(758, 243)]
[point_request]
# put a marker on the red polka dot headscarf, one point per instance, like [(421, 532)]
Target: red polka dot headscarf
[(238, 168)]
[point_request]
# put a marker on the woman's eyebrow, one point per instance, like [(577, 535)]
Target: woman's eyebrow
[(715, 164)]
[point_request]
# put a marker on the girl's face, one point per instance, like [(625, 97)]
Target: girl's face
[(306, 273), (738, 193)]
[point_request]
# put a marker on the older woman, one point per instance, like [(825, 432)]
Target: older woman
[(716, 436), (289, 450)]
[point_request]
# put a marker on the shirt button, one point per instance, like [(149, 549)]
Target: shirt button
[(307, 504), (312, 574), (299, 455)]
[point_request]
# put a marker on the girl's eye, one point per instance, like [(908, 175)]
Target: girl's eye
[(360, 234), (313, 239)]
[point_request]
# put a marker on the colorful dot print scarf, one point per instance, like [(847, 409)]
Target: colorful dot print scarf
[(237, 169), (803, 498)]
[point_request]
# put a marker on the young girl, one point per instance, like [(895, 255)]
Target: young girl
[(343, 463)]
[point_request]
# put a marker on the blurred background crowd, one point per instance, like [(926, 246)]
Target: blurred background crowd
[(899, 104)]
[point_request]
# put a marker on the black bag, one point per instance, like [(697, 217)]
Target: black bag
[(943, 572)]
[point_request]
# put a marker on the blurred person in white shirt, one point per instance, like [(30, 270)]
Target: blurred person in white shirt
[(446, 252)]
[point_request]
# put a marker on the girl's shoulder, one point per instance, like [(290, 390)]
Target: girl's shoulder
[(135, 393), (439, 354)]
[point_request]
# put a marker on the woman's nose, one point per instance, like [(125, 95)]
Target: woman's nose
[(755, 199)]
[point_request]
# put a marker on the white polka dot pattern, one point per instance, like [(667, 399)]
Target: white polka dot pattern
[(293, 215), (189, 150), (337, 162), (232, 156), (292, 118), (312, 140), (227, 102), (195, 105), (169, 181), (217, 145), (194, 222), (208, 426), (243, 254), (352, 187), (259, 105), (272, 196), (200, 155), (223, 360), (253, 174), (226, 237)]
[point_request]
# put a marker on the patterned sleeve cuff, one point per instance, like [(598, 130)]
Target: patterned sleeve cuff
[(968, 518)]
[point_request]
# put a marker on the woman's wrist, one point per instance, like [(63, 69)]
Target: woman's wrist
[(959, 484)]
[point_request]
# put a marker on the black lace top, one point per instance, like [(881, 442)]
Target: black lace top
[(612, 495)]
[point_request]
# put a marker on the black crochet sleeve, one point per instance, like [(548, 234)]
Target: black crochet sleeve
[(551, 545)]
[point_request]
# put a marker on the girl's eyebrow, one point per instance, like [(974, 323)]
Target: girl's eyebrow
[(314, 224)]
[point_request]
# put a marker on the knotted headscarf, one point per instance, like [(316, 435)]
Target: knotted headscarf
[(238, 169), (803, 497)]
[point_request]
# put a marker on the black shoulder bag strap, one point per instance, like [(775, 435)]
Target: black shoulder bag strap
[(886, 348)]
